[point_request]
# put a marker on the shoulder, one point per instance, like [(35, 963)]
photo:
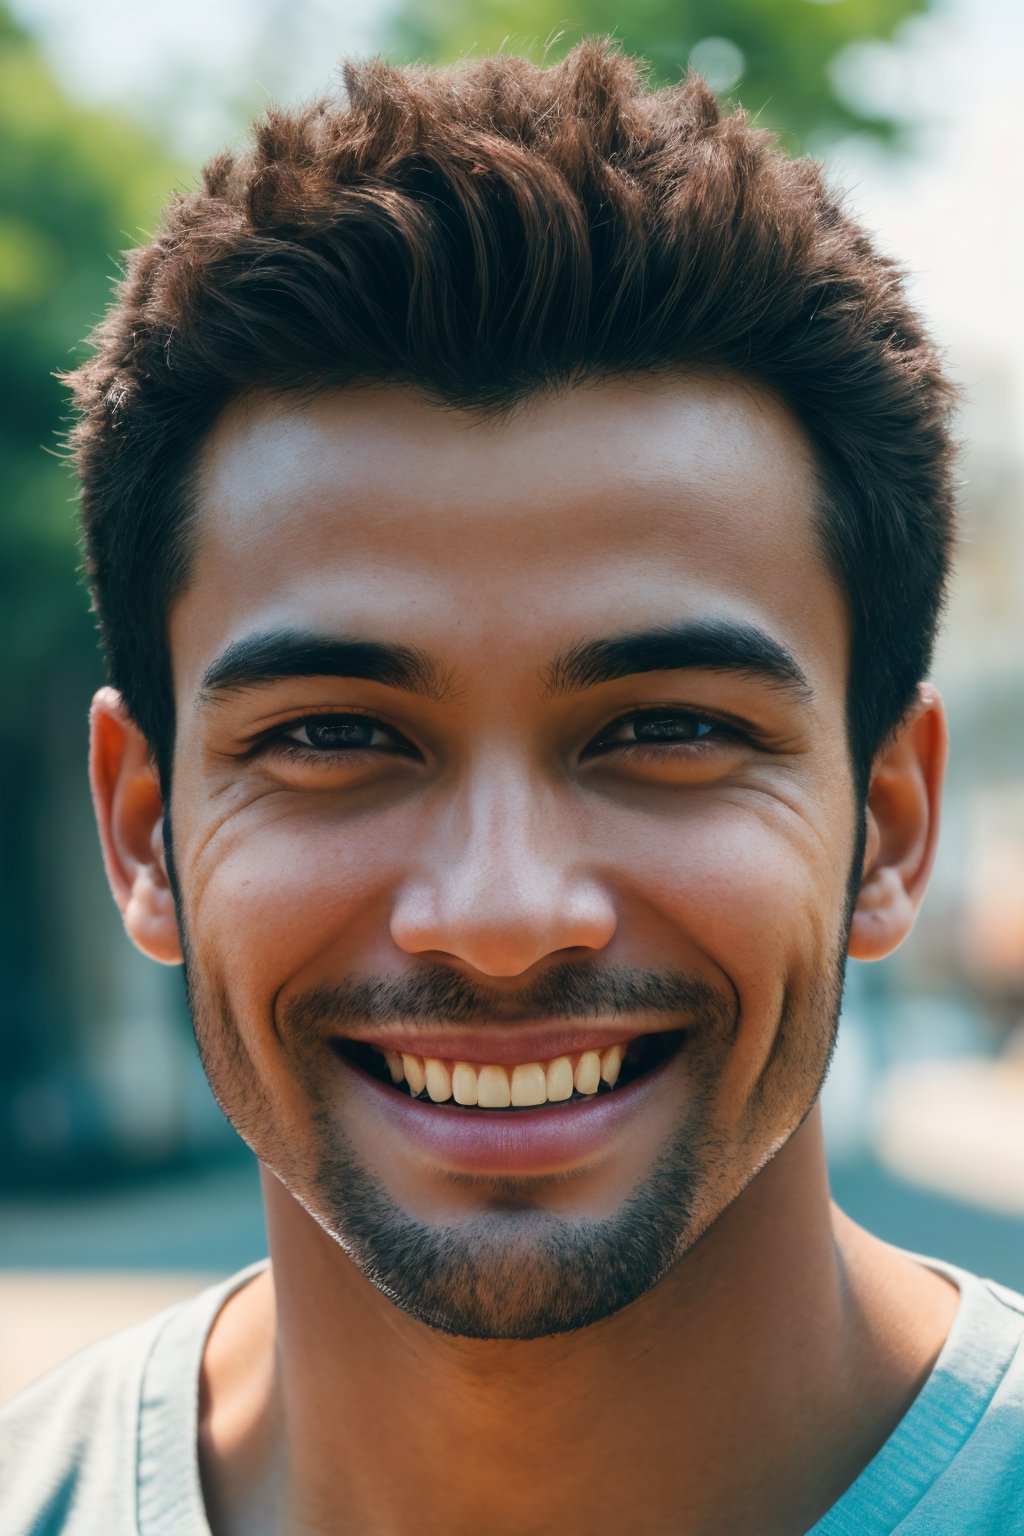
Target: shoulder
[(70, 1438), (985, 1351), (993, 1356), (971, 1416), (954, 1465), (76, 1446)]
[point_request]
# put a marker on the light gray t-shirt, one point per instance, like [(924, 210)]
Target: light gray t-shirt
[(106, 1445)]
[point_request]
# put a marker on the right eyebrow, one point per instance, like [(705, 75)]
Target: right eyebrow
[(718, 644), (267, 656)]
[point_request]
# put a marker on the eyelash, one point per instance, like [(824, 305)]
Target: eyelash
[(665, 751), (278, 743)]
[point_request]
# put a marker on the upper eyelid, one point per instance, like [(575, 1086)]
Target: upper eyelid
[(335, 715), (280, 727), (724, 722)]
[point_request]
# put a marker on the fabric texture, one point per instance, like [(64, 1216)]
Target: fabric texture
[(106, 1445)]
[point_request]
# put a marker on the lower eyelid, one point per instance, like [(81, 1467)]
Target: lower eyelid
[(322, 757)]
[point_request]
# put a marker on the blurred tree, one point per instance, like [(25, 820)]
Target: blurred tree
[(76, 187), (774, 54)]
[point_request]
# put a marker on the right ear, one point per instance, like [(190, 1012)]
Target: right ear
[(130, 816)]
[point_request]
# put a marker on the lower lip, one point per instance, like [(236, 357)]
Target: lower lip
[(546, 1140)]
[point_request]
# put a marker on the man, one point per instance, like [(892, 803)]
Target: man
[(518, 506)]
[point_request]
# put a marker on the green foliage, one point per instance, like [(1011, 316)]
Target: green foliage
[(76, 187), (774, 55)]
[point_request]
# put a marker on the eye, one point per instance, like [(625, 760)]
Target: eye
[(664, 728), (667, 727), (325, 734)]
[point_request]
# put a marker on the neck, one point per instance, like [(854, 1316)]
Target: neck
[(702, 1407)]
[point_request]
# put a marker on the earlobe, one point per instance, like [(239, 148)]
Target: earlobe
[(129, 813), (903, 804)]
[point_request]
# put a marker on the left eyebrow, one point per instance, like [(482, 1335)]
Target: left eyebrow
[(270, 655), (721, 645)]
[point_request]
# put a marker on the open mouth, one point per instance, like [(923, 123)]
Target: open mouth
[(526, 1085)]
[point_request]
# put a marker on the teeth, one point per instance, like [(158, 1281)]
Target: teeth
[(611, 1063), (395, 1067), (587, 1076), (493, 1090), (439, 1080), (415, 1076), (464, 1085), (496, 1087), (559, 1079), (529, 1085)]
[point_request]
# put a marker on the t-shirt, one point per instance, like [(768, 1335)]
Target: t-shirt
[(106, 1445)]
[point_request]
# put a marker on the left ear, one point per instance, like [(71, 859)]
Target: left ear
[(903, 801)]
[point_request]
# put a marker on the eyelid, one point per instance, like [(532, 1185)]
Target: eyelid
[(726, 723), (261, 740)]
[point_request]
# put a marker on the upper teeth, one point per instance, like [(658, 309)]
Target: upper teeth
[(494, 1087)]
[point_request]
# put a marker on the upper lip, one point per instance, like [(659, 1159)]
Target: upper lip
[(508, 1044)]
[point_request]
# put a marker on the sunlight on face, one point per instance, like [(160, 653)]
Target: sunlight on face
[(507, 743)]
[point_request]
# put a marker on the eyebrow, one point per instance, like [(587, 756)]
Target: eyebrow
[(270, 655), (718, 644)]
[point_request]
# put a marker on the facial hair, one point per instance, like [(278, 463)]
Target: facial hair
[(515, 1270)]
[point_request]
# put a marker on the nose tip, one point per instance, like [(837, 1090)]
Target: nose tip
[(506, 935)]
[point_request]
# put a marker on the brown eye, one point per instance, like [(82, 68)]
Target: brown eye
[(659, 728), (340, 733), (666, 728)]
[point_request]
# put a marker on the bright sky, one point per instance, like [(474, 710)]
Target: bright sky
[(192, 64)]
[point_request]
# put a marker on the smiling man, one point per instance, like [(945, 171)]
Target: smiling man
[(518, 507)]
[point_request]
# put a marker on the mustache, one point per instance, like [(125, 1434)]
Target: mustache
[(573, 990)]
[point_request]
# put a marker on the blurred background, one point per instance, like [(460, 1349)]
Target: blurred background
[(120, 1183)]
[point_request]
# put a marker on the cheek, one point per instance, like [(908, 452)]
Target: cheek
[(285, 893), (751, 879), (750, 894), (279, 901)]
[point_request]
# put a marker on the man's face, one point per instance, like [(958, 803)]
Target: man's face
[(502, 744)]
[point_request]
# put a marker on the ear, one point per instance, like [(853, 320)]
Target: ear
[(130, 815), (902, 829)]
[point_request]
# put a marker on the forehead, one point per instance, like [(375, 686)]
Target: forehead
[(653, 498)]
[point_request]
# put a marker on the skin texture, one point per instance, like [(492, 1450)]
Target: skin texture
[(761, 1348)]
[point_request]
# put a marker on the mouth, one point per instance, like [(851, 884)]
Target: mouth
[(578, 1077)]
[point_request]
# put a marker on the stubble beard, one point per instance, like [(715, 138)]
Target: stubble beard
[(516, 1271)]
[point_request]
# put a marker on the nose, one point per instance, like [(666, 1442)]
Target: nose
[(502, 884)]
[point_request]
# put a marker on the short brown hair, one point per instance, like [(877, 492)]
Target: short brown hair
[(493, 230)]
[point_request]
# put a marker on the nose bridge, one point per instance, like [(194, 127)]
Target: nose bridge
[(502, 883), (501, 841)]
